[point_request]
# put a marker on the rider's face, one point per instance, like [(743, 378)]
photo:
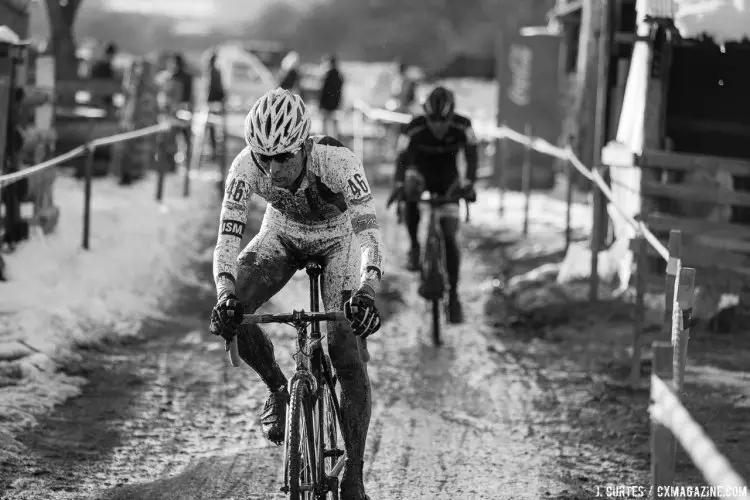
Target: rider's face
[(284, 169)]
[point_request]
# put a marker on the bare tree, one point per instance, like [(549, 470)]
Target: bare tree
[(62, 15)]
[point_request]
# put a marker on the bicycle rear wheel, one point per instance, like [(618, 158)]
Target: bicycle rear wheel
[(332, 458), (436, 312)]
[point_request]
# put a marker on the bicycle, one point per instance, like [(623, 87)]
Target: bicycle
[(433, 275), (312, 459)]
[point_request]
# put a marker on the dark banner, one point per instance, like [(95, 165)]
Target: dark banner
[(530, 102)]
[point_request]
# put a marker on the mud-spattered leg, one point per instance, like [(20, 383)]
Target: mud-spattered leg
[(265, 266), (340, 278)]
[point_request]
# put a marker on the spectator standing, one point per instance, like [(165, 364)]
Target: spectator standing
[(181, 82), (103, 68), (404, 90), (403, 99), (216, 100), (289, 74), (330, 97)]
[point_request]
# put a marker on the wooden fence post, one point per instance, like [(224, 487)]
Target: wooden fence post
[(90, 151), (504, 143), (598, 230), (640, 308), (683, 312), (160, 166), (186, 178), (674, 246), (568, 202), (526, 178), (663, 443)]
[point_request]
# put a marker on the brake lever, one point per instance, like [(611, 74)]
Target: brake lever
[(230, 346)]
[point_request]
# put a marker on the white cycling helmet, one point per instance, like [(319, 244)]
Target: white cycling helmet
[(277, 123)]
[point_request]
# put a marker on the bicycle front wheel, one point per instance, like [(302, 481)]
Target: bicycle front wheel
[(436, 312), (302, 470)]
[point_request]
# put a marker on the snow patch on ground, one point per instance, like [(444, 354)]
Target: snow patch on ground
[(59, 296)]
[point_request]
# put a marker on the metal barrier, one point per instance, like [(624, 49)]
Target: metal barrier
[(89, 149), (669, 418)]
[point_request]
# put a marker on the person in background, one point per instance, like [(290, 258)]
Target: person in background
[(103, 68), (182, 85), (289, 74), (167, 99), (330, 97), (403, 98), (427, 161), (216, 100), (404, 90)]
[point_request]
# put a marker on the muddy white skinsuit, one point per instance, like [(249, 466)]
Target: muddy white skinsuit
[(331, 215)]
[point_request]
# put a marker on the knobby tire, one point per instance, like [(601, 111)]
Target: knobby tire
[(436, 310), (295, 460)]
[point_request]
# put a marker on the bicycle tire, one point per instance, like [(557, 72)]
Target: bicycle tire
[(436, 309), (295, 457), (328, 409)]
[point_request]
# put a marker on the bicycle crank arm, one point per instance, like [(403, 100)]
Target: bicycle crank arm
[(234, 355)]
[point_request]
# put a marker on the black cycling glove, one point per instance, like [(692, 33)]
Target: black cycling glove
[(469, 194), (226, 316), (362, 314), (397, 194)]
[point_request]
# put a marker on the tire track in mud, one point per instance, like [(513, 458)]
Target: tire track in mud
[(452, 422)]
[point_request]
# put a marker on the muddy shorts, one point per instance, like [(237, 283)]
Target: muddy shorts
[(282, 245)]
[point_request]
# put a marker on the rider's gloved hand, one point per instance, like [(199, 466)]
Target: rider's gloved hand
[(361, 312), (468, 193), (226, 316), (397, 194)]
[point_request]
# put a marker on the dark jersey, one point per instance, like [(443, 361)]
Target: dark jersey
[(436, 158)]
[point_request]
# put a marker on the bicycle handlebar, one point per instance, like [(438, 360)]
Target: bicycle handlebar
[(293, 317), (442, 200), (254, 319)]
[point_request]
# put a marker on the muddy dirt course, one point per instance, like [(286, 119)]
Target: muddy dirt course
[(166, 417)]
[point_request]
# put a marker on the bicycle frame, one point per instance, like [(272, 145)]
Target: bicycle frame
[(313, 369), (433, 275)]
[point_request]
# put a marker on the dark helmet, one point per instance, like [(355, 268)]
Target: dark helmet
[(440, 103)]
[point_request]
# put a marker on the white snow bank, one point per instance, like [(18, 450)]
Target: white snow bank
[(58, 295), (723, 20)]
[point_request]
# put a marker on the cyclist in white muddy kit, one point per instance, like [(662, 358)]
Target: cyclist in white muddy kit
[(319, 205)]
